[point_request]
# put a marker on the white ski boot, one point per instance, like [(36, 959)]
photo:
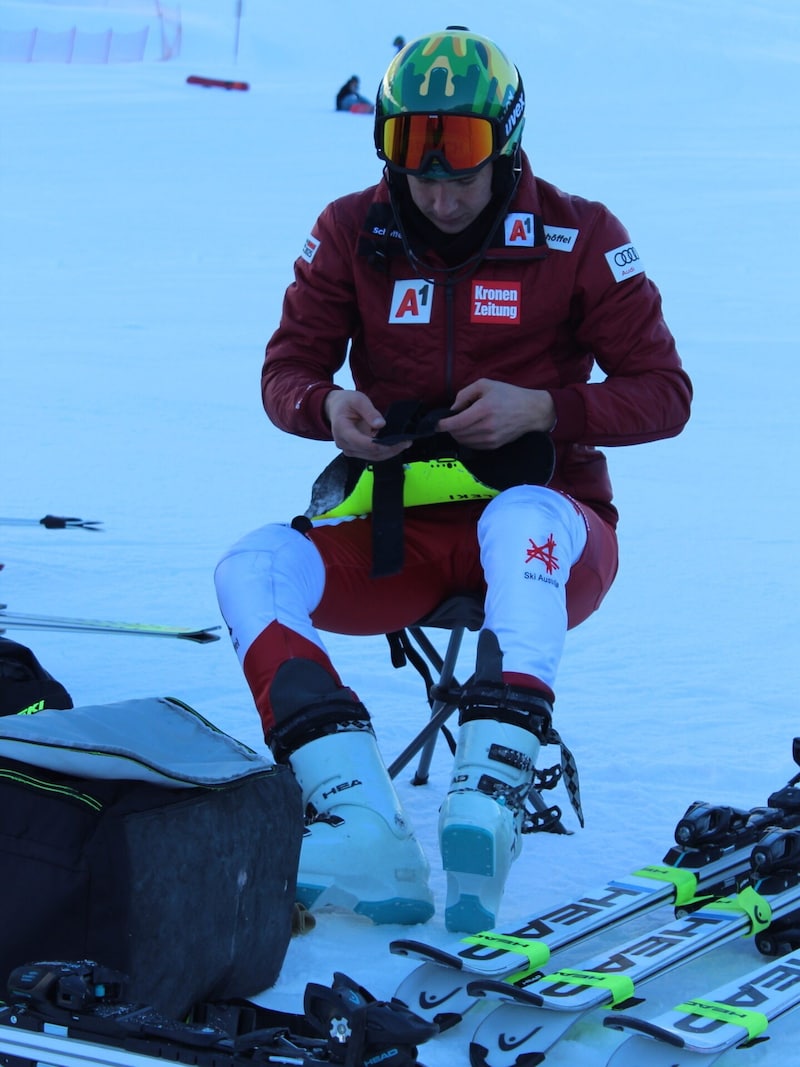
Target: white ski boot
[(480, 823), (359, 852)]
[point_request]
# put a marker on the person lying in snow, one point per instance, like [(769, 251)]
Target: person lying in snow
[(350, 99)]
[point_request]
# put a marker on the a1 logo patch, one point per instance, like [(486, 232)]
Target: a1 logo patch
[(412, 301), (519, 230)]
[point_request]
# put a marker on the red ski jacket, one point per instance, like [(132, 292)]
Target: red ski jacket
[(560, 291)]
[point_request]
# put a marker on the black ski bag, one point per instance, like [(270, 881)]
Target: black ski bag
[(139, 834)]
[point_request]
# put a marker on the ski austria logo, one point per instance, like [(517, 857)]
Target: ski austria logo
[(495, 302), (519, 230), (624, 262), (562, 238), (411, 301), (546, 555), (310, 248)]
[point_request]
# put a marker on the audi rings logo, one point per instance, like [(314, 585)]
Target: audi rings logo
[(625, 256), (624, 262)]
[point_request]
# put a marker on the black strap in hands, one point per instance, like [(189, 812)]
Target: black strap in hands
[(529, 460)]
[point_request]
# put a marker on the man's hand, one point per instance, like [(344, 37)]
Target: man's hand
[(489, 414), (354, 422)]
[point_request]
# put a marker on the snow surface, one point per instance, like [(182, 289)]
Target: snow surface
[(148, 232)]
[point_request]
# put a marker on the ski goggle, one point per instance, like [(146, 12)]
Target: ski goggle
[(413, 143)]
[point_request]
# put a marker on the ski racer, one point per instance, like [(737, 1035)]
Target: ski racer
[(497, 329)]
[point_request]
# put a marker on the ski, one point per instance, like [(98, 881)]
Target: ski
[(713, 852), (713, 843), (537, 1012), (177, 1043), (17, 621), (72, 1014), (697, 1032), (23, 1048), (55, 522), (152, 1040)]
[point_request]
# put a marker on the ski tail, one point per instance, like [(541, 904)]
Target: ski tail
[(545, 1006), (20, 621), (734, 1015)]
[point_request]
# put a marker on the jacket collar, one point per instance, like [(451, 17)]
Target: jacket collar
[(520, 235)]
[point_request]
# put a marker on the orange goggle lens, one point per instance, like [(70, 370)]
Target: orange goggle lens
[(458, 142)]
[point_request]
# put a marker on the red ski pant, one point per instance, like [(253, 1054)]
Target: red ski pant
[(540, 562)]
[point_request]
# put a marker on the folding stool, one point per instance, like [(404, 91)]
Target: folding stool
[(456, 614)]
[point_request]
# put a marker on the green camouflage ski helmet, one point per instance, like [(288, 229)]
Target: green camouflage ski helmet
[(453, 72)]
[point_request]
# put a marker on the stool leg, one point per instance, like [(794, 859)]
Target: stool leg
[(441, 710), (440, 706)]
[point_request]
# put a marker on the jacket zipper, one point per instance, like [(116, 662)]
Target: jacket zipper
[(449, 340)]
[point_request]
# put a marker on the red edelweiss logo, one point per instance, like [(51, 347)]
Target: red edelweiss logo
[(544, 553)]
